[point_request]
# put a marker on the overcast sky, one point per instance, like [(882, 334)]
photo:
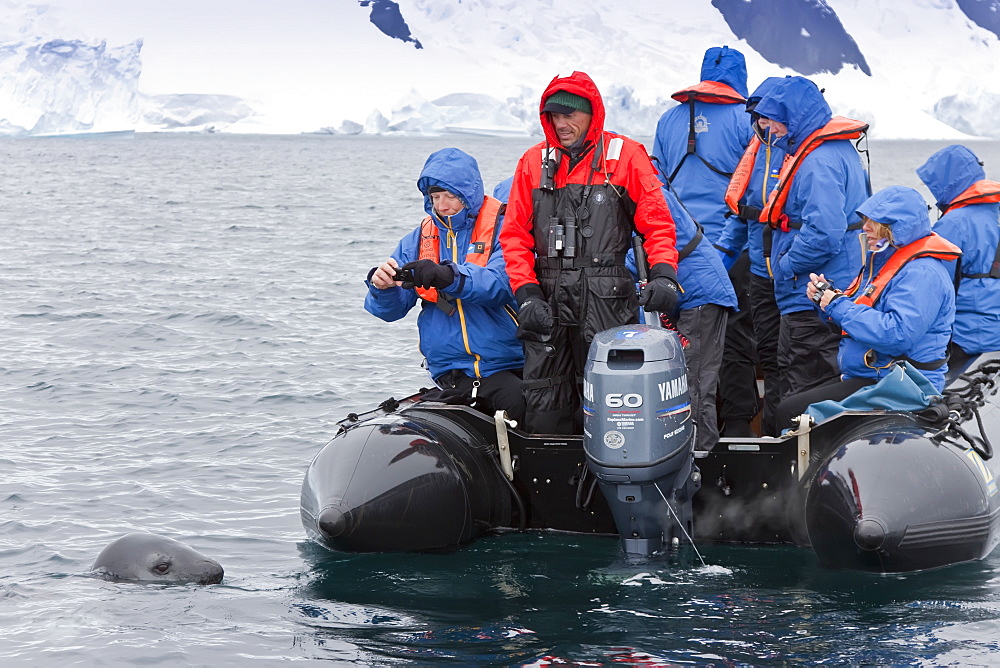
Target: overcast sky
[(223, 46)]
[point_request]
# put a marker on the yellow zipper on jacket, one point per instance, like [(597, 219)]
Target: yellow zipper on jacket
[(452, 243), (763, 192)]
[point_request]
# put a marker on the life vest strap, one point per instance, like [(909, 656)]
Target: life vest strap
[(545, 383), (994, 268), (786, 224), (692, 148), (595, 260), (747, 212), (924, 366), (692, 244)]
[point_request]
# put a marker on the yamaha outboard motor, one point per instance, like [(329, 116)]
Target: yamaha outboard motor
[(639, 436)]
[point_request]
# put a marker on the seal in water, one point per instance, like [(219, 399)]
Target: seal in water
[(146, 557)]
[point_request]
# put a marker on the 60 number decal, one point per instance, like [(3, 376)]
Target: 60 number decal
[(618, 400)]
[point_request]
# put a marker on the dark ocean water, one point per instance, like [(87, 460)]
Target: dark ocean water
[(181, 327)]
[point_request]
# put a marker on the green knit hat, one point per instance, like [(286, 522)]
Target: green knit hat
[(562, 102)]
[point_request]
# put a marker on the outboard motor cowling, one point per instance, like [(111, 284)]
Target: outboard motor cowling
[(639, 436)]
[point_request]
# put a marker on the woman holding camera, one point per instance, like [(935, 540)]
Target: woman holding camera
[(900, 307), (453, 265)]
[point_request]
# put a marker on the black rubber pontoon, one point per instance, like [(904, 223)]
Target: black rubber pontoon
[(873, 491)]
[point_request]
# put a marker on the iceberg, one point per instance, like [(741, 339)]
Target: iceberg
[(192, 112), (60, 86)]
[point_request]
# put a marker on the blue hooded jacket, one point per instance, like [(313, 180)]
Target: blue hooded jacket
[(976, 230), (740, 233), (700, 274), (914, 315), (722, 131), (825, 194), (501, 191), (479, 337)]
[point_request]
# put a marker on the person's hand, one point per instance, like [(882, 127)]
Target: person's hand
[(811, 287), (661, 293), (820, 292), (382, 276), (829, 296), (430, 274), (534, 317)]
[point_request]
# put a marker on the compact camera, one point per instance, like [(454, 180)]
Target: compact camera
[(403, 275), (821, 287)]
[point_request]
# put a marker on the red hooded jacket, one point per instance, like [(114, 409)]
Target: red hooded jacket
[(631, 169)]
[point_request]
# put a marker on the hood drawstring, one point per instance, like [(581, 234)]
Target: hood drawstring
[(450, 238)]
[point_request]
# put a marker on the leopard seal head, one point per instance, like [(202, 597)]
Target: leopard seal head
[(146, 557)]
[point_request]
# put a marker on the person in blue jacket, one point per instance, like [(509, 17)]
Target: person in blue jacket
[(467, 321), (697, 145), (744, 231), (900, 307), (813, 212), (698, 142), (706, 302), (971, 220), (501, 191)]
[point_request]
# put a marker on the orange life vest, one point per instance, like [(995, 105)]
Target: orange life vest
[(933, 245), (980, 192), (741, 175), (838, 127), (480, 244), (713, 92)]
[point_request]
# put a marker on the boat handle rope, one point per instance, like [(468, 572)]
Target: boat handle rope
[(803, 447), (962, 404), (505, 465), (503, 444)]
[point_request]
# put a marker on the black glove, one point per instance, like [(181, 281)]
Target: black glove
[(430, 274), (661, 293), (534, 317)]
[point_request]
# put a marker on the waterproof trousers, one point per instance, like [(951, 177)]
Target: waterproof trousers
[(807, 353), (704, 326), (738, 396), (766, 326), (836, 390), (502, 389), (553, 373)]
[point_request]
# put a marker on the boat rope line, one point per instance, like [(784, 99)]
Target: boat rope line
[(960, 404), (581, 502), (680, 524), (522, 515)]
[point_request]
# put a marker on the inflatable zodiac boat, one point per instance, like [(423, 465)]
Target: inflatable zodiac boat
[(881, 491)]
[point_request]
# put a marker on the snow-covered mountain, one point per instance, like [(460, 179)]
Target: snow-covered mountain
[(911, 68)]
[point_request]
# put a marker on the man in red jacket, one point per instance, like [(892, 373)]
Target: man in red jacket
[(576, 199)]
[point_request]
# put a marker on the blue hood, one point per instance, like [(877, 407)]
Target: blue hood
[(797, 103), (765, 87), (903, 209), (726, 66), (949, 172), (457, 172)]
